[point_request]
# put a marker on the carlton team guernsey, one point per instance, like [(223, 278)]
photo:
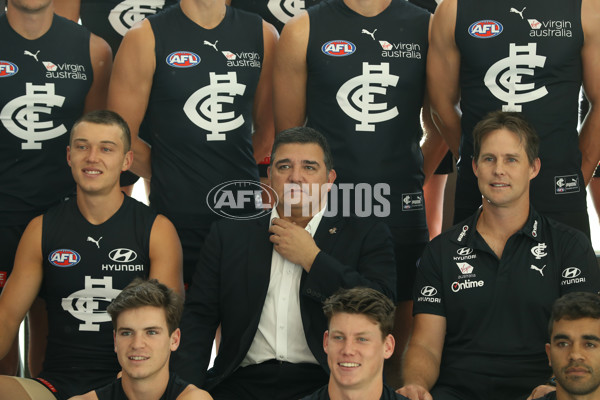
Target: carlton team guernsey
[(200, 110), (525, 56), (497, 310), (114, 391), (276, 12), (85, 267), (111, 19), (323, 394), (43, 85), (365, 88)]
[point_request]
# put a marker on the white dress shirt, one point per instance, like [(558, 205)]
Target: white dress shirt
[(280, 333)]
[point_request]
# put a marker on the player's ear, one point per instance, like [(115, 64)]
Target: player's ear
[(331, 176), (325, 338), (115, 341), (388, 346), (69, 155), (535, 168), (175, 339), (548, 354), (127, 161), (474, 165)]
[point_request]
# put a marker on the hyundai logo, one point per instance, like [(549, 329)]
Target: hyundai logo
[(464, 251), (122, 255), (571, 272), (428, 291)]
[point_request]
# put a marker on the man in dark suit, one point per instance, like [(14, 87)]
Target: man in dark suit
[(264, 281)]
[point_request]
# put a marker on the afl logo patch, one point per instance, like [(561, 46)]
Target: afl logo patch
[(338, 48), (485, 29), (64, 258), (183, 59), (7, 69)]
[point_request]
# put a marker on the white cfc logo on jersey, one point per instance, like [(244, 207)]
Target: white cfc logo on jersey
[(21, 116), (85, 304), (284, 10), (127, 13), (503, 78), (205, 106), (356, 97)]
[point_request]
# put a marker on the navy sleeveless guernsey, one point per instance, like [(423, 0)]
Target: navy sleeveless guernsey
[(524, 56), (200, 110), (85, 268), (276, 12), (43, 85), (366, 82), (111, 19), (115, 391)]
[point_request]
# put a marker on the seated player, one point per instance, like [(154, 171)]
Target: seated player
[(145, 317), (358, 340), (485, 288), (78, 257)]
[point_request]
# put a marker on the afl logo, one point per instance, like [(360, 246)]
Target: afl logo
[(338, 48), (7, 69), (183, 59), (485, 29), (64, 258)]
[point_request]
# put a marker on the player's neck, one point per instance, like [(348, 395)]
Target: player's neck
[(372, 391), (206, 13), (561, 394), (368, 8), (150, 388), (497, 224), (98, 208), (30, 25)]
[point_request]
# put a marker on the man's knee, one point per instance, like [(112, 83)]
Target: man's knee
[(23, 389)]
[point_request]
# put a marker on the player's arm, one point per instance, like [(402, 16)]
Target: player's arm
[(88, 396), (589, 138), (101, 57), (23, 284), (443, 68), (130, 85), (68, 9), (434, 147), (421, 364), (262, 111), (166, 257), (291, 73)]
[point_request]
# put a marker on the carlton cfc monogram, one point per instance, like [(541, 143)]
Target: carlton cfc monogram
[(205, 106), (22, 115), (356, 97), (129, 12)]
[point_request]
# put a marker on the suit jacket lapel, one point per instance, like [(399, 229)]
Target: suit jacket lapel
[(260, 251)]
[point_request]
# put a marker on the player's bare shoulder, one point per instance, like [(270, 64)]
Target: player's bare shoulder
[(88, 396), (191, 392)]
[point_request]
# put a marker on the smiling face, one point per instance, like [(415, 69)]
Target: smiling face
[(574, 355), (297, 175), (97, 157), (356, 351), (142, 342), (503, 170)]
